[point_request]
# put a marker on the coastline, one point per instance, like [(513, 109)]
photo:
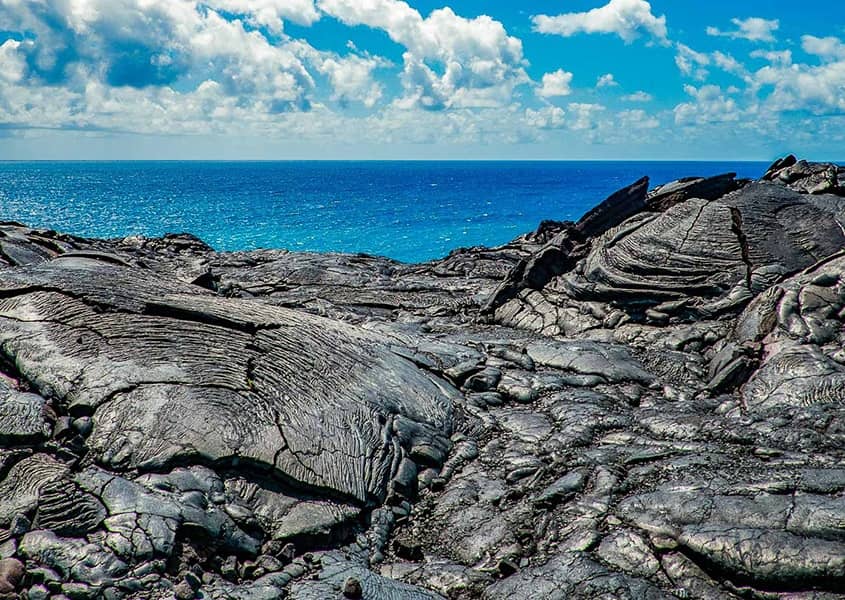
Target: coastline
[(644, 401), (411, 212)]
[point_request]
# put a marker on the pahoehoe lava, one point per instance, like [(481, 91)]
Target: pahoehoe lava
[(648, 403)]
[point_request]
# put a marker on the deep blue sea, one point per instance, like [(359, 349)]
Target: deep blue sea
[(410, 211)]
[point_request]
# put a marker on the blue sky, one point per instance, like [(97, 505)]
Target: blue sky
[(384, 79)]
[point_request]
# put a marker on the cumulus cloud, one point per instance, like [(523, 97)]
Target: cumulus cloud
[(548, 117), (785, 85), (637, 119), (753, 29), (555, 84), (778, 57), (269, 13), (819, 89), (140, 43), (638, 97), (827, 48), (577, 116), (709, 104), (231, 67), (12, 61), (450, 61), (352, 78), (629, 19), (606, 80), (584, 115), (167, 65)]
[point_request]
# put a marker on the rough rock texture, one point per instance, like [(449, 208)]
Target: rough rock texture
[(644, 404)]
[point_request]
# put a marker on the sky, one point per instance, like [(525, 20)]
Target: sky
[(422, 79)]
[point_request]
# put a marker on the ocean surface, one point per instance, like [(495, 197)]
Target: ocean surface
[(410, 211)]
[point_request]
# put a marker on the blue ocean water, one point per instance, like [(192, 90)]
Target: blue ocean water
[(410, 211)]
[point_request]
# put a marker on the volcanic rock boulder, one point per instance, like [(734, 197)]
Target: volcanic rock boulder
[(565, 243), (807, 177), (615, 209), (668, 195), (799, 325), (20, 245), (698, 258)]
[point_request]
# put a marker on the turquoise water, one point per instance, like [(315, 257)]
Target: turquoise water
[(410, 211)]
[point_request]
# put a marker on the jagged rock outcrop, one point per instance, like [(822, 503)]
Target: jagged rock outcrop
[(806, 177), (644, 404), (697, 259)]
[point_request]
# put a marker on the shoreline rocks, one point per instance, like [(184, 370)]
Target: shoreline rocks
[(644, 404)]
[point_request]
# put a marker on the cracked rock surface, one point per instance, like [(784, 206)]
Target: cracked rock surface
[(644, 404)]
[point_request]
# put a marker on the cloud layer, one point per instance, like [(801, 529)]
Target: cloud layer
[(247, 67)]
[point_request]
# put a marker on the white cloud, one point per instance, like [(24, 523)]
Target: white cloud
[(181, 67), (171, 66), (636, 119), (785, 86), (606, 80), (638, 97), (352, 79), (819, 89), (141, 43), (729, 64), (827, 48), (778, 57), (269, 13), (815, 88), (753, 29), (692, 63), (626, 18), (581, 117), (709, 105), (584, 116), (695, 64), (555, 84), (548, 117), (189, 67), (12, 62), (451, 61)]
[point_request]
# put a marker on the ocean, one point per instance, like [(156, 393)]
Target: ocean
[(409, 211)]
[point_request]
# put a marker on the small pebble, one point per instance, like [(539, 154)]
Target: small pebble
[(80, 591), (20, 525), (8, 548), (229, 568), (192, 580), (288, 552), (352, 589), (62, 427), (11, 574), (38, 592), (183, 591), (83, 426)]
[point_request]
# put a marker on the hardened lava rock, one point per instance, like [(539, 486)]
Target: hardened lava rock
[(643, 404)]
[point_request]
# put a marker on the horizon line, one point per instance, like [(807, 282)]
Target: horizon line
[(395, 160)]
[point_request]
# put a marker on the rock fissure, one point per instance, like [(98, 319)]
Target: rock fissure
[(736, 220)]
